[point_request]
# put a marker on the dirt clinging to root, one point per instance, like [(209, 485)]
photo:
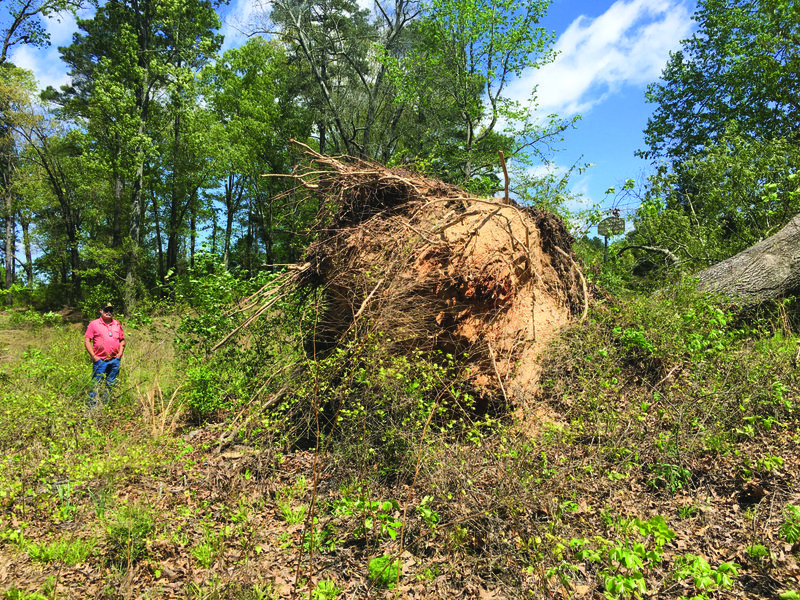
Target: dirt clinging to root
[(436, 269)]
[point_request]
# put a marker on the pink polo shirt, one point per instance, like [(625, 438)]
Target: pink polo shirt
[(105, 338)]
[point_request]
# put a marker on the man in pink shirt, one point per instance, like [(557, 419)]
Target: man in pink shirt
[(105, 343)]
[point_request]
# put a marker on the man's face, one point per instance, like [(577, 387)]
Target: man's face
[(107, 313)]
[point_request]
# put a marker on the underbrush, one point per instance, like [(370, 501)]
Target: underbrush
[(661, 459), (671, 376)]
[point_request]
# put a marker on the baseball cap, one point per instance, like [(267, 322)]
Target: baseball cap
[(107, 306)]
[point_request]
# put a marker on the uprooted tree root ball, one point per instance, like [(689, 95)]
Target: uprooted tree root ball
[(437, 270)]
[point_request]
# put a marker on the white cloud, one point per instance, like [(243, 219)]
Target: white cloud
[(239, 19), (627, 45), (45, 63)]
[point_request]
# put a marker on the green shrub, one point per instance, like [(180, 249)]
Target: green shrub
[(31, 319), (384, 571), (128, 532), (204, 394), (790, 528)]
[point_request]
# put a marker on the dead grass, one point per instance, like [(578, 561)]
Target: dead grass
[(163, 416)]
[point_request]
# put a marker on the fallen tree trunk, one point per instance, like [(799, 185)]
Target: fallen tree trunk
[(766, 271)]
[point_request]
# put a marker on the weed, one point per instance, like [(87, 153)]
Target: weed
[(623, 564), (757, 551), (376, 516), (293, 516), (261, 591), (429, 516), (669, 476), (686, 512), (66, 509), (321, 539), (17, 594), (207, 551), (768, 464), (384, 571), (705, 577), (67, 551), (288, 493), (790, 528), (429, 573), (326, 590), (128, 532), (100, 502)]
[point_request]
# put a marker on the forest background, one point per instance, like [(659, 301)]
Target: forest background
[(157, 146)]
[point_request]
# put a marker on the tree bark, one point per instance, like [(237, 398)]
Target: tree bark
[(766, 271)]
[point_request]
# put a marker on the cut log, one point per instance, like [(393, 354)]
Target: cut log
[(766, 271)]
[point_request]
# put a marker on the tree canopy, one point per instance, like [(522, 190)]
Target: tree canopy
[(155, 149), (723, 137)]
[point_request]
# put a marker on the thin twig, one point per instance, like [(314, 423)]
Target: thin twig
[(499, 379)]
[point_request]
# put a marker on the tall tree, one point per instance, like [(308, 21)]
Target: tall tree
[(457, 74), (23, 23), (742, 64), (16, 87), (341, 51), (251, 95), (129, 54), (725, 134)]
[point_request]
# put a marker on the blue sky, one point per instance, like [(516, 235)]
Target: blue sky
[(608, 52)]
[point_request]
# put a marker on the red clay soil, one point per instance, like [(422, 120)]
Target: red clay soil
[(437, 269)]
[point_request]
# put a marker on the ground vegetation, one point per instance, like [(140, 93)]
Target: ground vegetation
[(656, 455)]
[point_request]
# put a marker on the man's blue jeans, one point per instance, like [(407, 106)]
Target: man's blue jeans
[(103, 368)]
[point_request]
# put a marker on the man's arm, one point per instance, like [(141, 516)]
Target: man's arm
[(87, 343), (121, 348)]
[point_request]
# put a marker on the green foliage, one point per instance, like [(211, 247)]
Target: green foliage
[(212, 546), (326, 590), (17, 594), (669, 476), (790, 528), (623, 564), (722, 380), (204, 394), (737, 66), (293, 515), (377, 517), (705, 577), (719, 202), (128, 531), (221, 379), (321, 538), (384, 571), (757, 551), (723, 122), (67, 551), (428, 514), (456, 76), (376, 407), (33, 319), (634, 338)]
